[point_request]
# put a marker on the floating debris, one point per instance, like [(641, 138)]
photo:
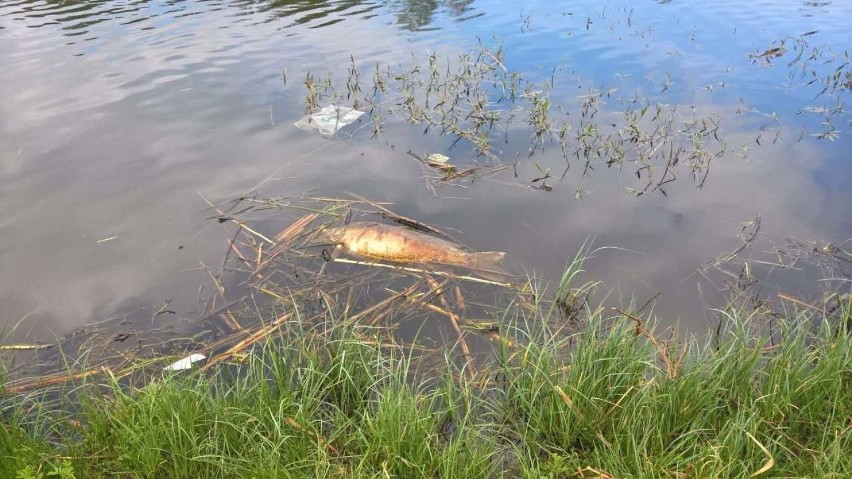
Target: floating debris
[(329, 120), (278, 278), (747, 234), (440, 162), (449, 173), (185, 363), (769, 54), (24, 347)]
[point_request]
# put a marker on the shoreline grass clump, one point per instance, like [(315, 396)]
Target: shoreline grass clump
[(734, 407), (337, 399)]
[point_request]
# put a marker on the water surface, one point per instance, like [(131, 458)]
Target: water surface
[(118, 117)]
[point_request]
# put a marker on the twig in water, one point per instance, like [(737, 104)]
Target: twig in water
[(255, 337), (217, 311), (799, 302), (470, 367), (24, 347), (402, 219), (472, 279)]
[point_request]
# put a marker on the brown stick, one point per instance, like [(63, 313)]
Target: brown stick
[(460, 302), (798, 302), (228, 252), (238, 253), (285, 236), (217, 311), (229, 321), (219, 287), (649, 301), (445, 274), (454, 321), (255, 337), (52, 380), (291, 231), (223, 217), (24, 347), (404, 220), (385, 302)]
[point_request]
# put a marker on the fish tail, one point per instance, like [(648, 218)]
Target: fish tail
[(487, 261)]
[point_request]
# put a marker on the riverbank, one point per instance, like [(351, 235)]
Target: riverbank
[(762, 396)]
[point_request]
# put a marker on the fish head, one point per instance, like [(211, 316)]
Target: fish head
[(351, 233), (330, 236)]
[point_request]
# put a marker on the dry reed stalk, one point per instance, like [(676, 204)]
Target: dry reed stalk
[(294, 229), (236, 222), (385, 302), (230, 322), (460, 302), (584, 474), (24, 347), (435, 290), (454, 320), (228, 251), (285, 236), (218, 284), (237, 252), (799, 302), (271, 293), (253, 338), (567, 400), (404, 220), (471, 279), (57, 379), (217, 311)]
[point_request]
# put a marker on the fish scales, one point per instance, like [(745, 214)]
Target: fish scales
[(399, 244)]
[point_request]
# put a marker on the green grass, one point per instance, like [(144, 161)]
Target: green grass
[(624, 414), (601, 402)]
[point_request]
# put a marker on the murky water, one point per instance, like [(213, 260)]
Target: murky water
[(118, 117)]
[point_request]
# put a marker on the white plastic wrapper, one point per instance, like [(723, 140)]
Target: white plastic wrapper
[(185, 363), (329, 120)]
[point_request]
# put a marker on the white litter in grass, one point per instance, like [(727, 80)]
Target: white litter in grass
[(329, 120), (185, 363)]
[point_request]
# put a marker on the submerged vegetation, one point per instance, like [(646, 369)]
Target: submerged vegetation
[(476, 101), (538, 383), (816, 66)]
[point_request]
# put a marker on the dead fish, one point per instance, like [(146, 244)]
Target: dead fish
[(403, 245)]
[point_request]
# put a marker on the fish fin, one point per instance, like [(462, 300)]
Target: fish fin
[(488, 261)]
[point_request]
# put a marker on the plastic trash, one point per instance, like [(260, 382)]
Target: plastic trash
[(185, 363), (329, 120), (440, 162), (437, 159)]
